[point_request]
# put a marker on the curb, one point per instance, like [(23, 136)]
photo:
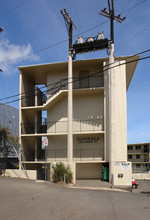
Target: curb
[(98, 188)]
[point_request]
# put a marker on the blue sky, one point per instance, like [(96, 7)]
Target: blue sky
[(38, 24)]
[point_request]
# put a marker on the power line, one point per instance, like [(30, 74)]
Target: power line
[(134, 6), (56, 44), (18, 6), (50, 46), (135, 36), (52, 84), (128, 62)]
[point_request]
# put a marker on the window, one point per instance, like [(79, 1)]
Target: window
[(138, 165), (130, 147), (138, 147), (137, 156), (129, 156)]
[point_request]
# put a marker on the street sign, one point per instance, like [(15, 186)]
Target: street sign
[(46, 142)]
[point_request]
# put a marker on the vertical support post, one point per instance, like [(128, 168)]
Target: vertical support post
[(45, 163), (70, 109)]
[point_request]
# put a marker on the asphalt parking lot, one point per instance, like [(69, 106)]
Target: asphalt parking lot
[(25, 199)]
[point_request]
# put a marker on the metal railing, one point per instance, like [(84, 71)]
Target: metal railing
[(93, 154), (87, 154), (140, 160), (87, 125), (27, 128)]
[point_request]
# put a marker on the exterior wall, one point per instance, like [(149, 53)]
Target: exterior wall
[(54, 77), (21, 174), (57, 148), (88, 114), (141, 176), (88, 147), (120, 113), (57, 117)]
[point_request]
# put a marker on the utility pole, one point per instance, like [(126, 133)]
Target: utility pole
[(111, 15), (69, 25)]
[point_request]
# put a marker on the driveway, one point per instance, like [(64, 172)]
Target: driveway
[(25, 199)]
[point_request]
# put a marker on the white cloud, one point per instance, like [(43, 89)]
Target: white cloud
[(10, 51)]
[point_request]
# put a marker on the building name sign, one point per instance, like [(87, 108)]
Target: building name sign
[(85, 140)]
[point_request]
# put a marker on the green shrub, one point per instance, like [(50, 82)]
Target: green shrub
[(148, 167), (58, 173)]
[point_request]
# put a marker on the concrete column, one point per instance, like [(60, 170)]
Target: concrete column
[(36, 148), (111, 114), (70, 111)]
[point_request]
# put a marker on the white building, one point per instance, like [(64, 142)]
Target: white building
[(91, 150)]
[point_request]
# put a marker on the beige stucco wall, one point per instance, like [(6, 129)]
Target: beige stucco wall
[(89, 170), (52, 78), (86, 108), (120, 123), (57, 148), (28, 174), (88, 147), (141, 176), (120, 112)]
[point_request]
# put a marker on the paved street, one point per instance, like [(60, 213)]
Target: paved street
[(25, 199)]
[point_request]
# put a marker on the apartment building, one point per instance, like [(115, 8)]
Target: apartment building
[(139, 155), (44, 114)]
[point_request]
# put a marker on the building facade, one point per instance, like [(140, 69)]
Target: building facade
[(44, 114), (9, 118), (139, 155)]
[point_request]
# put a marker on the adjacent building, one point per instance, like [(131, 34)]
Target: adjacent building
[(43, 114), (139, 155), (9, 118)]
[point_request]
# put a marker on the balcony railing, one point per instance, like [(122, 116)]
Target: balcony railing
[(92, 154), (30, 99), (87, 125), (141, 160), (27, 128)]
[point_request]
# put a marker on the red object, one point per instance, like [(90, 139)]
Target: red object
[(134, 184)]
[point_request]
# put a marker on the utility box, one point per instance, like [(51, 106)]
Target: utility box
[(105, 173)]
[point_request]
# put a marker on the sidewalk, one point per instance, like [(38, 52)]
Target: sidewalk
[(95, 185)]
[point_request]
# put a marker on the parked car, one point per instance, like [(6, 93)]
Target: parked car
[(134, 184)]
